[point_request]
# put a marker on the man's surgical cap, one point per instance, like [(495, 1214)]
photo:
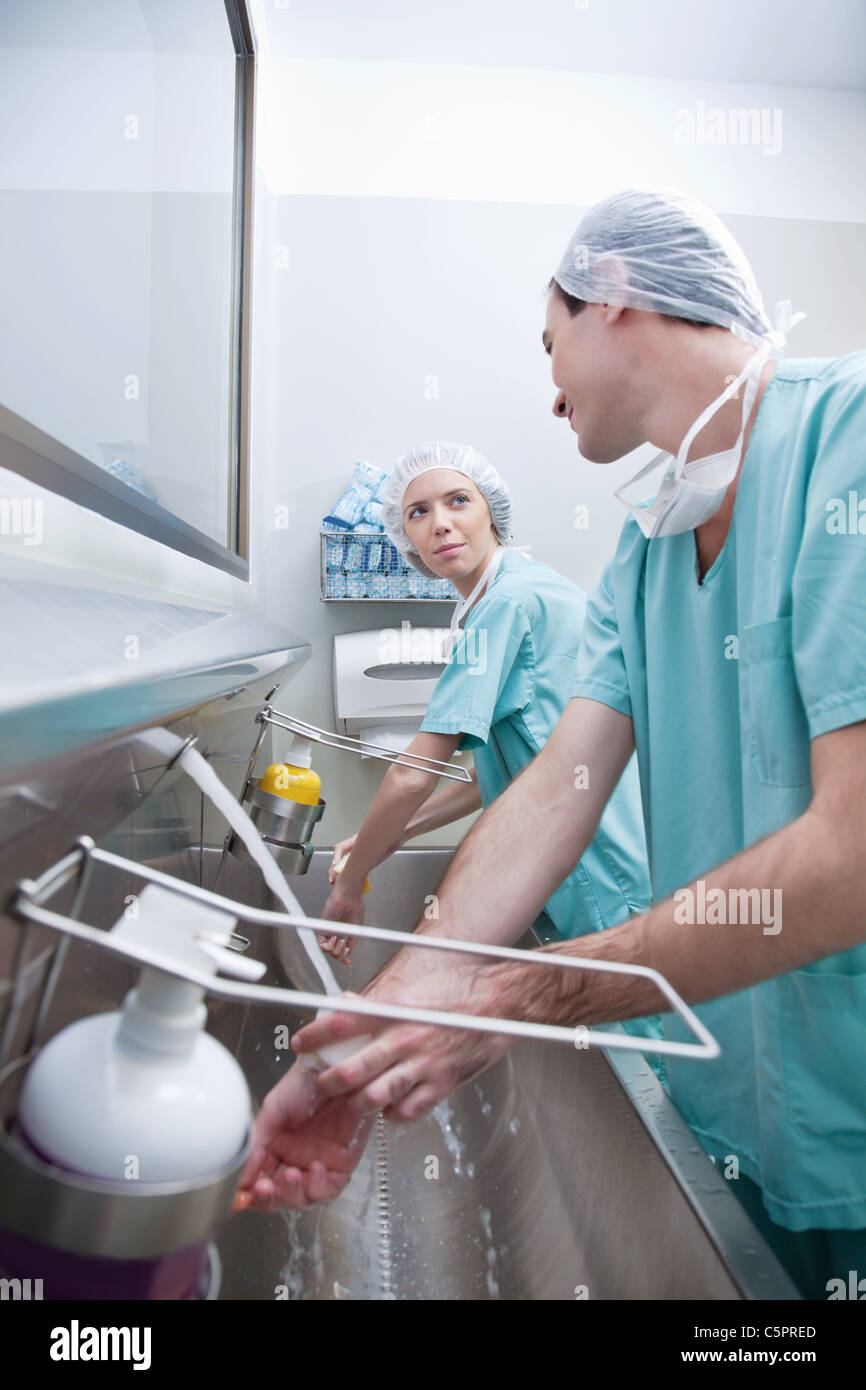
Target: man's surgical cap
[(668, 253)]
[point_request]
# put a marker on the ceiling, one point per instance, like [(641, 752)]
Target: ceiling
[(788, 42), (794, 43)]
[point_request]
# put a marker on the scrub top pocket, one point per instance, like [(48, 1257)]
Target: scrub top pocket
[(776, 726), (823, 1018)]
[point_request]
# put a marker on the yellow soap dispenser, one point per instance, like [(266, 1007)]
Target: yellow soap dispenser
[(295, 780)]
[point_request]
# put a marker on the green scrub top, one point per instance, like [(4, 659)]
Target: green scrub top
[(727, 681), (504, 689)]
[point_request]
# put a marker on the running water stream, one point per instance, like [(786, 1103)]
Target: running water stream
[(203, 774)]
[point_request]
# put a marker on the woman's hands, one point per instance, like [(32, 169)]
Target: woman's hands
[(345, 847), (305, 1147), (341, 849), (345, 902), (311, 1129)]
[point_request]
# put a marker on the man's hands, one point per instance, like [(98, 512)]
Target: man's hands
[(409, 1067)]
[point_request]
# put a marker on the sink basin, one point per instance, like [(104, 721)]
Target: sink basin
[(556, 1174)]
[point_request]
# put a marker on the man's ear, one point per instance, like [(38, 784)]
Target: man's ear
[(610, 280)]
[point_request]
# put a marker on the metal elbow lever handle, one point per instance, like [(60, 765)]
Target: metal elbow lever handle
[(26, 903), (288, 828), (348, 744)]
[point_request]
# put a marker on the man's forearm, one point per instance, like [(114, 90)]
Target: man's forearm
[(529, 839), (808, 906), (508, 865)]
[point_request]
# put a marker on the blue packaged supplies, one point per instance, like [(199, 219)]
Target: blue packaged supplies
[(351, 505), (369, 476)]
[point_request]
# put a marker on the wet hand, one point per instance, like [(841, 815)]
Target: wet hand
[(409, 1067), (305, 1147), (341, 849), (343, 905)]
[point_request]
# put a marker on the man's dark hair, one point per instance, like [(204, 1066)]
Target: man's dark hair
[(574, 306)]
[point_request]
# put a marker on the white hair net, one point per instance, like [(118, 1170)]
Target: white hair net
[(669, 253), (436, 454)]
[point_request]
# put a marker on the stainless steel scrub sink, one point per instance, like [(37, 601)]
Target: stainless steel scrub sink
[(557, 1174)]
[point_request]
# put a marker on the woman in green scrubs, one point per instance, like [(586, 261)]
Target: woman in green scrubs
[(501, 694)]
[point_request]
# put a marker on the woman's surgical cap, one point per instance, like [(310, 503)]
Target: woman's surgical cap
[(436, 454), (668, 253)]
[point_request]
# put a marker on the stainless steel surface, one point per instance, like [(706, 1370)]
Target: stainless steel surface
[(540, 1179), (119, 1220), (577, 1164), (277, 812), (232, 653), (292, 859), (286, 827)]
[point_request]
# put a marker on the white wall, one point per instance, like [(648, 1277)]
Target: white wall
[(414, 199)]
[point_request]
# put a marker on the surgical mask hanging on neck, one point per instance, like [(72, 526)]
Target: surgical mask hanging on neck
[(690, 493), (462, 608)]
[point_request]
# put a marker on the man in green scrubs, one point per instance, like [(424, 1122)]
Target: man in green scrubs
[(726, 642)]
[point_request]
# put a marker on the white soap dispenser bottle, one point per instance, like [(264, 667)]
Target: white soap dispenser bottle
[(144, 1092)]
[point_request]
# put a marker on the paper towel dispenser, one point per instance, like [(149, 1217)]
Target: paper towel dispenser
[(383, 681)]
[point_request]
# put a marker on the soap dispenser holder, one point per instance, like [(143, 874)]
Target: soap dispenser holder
[(287, 826)]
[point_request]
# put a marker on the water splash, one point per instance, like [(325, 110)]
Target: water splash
[(296, 1274), (487, 1228), (444, 1115)]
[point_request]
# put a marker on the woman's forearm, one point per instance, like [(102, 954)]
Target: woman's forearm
[(455, 802), (403, 790), (405, 787)]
